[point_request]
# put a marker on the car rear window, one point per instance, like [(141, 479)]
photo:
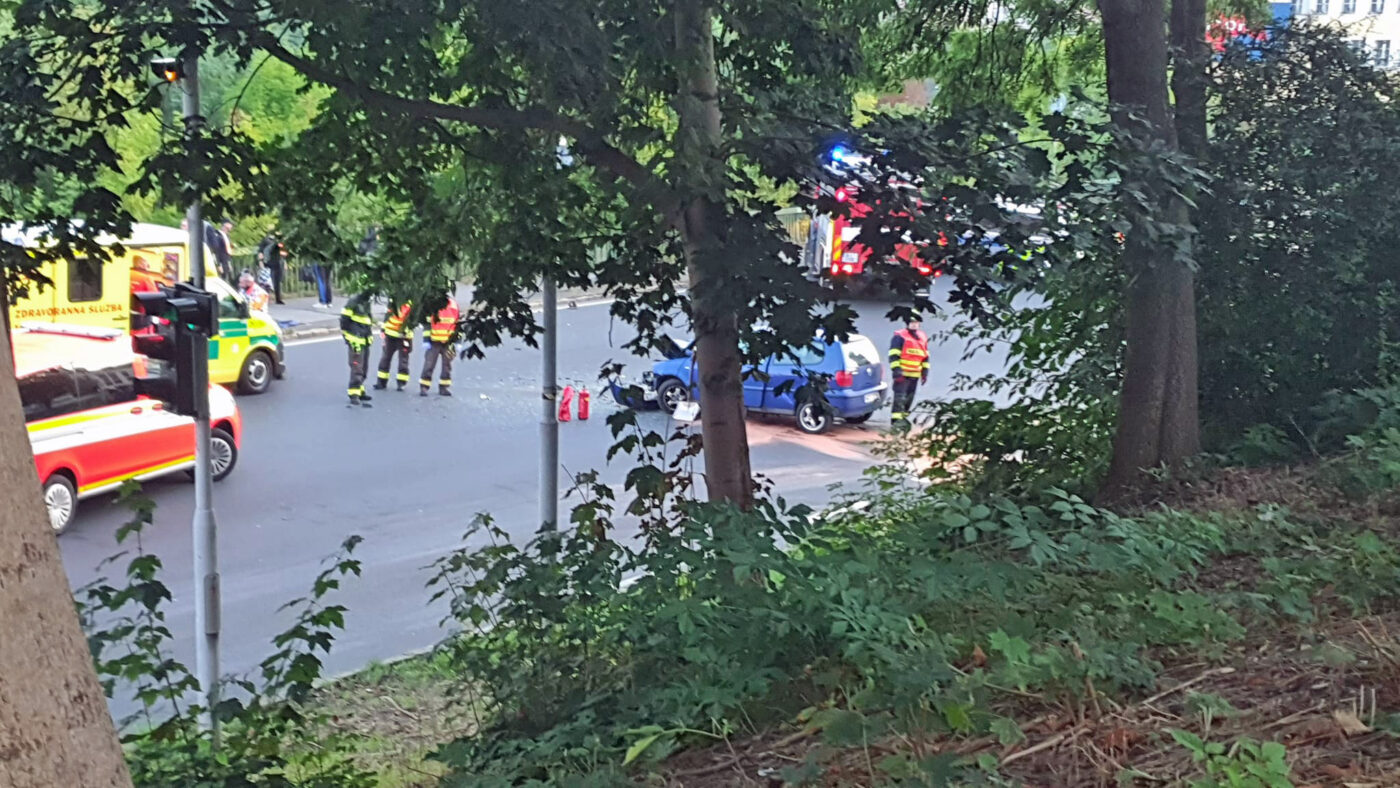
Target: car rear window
[(859, 351)]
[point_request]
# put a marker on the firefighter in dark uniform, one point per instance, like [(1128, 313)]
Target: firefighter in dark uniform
[(398, 338), (908, 366), (357, 328), (440, 328)]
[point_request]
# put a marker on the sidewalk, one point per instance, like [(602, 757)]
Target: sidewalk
[(300, 317)]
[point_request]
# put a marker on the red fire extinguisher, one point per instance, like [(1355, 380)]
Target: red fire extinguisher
[(583, 405), (566, 400)]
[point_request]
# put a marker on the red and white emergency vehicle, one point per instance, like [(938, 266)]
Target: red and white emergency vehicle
[(89, 429), (839, 254)]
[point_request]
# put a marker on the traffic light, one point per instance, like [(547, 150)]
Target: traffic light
[(183, 318)]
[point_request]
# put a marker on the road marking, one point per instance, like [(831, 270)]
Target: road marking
[(334, 335)]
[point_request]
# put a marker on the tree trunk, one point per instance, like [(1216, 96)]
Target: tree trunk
[(1158, 420), (55, 729), (1190, 54), (700, 168)]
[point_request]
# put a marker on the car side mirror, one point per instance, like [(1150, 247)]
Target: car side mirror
[(244, 311)]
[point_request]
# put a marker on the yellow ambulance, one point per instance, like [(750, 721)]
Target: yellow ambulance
[(248, 353)]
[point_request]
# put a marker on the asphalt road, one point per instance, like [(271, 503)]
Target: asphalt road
[(408, 475)]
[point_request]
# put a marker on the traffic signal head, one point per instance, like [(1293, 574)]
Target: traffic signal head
[(172, 372), (185, 306), (182, 317), (168, 69)]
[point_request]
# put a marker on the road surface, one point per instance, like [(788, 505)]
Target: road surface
[(408, 475)]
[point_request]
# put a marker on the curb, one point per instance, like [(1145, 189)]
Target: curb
[(587, 298)]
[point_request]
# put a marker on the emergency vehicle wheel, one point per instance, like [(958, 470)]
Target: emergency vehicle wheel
[(671, 394), (813, 417), (61, 499), (257, 373), (223, 453)]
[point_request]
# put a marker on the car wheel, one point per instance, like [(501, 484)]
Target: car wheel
[(223, 453), (861, 419), (61, 500), (257, 374), (813, 417), (671, 394)]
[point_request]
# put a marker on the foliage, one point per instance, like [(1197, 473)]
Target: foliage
[(263, 729), (907, 611), (1246, 764), (1300, 222)]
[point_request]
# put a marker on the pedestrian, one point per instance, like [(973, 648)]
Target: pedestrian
[(223, 247), (440, 328), (356, 327), (321, 273), (272, 255), (398, 338), (908, 366), (251, 290)]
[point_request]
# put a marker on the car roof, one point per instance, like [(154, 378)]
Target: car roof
[(142, 234), (40, 346)]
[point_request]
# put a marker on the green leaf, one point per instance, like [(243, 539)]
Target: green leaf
[(639, 746)]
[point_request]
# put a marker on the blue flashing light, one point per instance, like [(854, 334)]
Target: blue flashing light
[(840, 154)]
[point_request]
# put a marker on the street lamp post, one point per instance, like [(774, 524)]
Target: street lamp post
[(204, 529), (549, 422)]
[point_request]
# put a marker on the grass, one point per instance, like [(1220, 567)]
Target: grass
[(400, 711)]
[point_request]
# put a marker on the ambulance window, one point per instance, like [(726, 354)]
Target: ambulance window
[(107, 386), (48, 394), (84, 280), (228, 307)]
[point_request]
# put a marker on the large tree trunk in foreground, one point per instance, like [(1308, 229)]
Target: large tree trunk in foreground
[(54, 726), (1158, 419), (713, 308)]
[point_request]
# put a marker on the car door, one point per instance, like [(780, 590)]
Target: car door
[(787, 374), (126, 436), (755, 384)]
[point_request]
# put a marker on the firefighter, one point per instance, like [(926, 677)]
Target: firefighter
[(357, 328), (908, 366), (439, 330), (398, 338)]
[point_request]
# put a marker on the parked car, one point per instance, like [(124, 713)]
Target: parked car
[(88, 428), (850, 373)]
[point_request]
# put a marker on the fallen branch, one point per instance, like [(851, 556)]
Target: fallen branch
[(1049, 743), (1183, 685)]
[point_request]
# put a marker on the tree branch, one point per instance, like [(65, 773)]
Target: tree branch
[(587, 141)]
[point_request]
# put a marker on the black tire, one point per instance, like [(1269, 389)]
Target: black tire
[(61, 500), (225, 454), (813, 417), (670, 394), (861, 419), (259, 369)]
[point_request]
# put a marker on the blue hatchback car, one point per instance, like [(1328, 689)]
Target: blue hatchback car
[(852, 371)]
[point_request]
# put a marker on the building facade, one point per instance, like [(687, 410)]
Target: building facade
[(1373, 26)]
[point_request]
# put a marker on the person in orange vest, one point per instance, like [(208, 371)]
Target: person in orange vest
[(398, 338), (908, 366), (439, 330)]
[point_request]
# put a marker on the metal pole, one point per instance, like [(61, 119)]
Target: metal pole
[(549, 420), (204, 530)]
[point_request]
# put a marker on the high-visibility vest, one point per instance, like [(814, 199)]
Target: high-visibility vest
[(356, 325), (444, 323), (909, 353), (395, 325)]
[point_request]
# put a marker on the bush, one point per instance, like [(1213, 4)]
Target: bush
[(266, 735), (910, 613)]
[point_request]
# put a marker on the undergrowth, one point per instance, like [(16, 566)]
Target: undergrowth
[(914, 615)]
